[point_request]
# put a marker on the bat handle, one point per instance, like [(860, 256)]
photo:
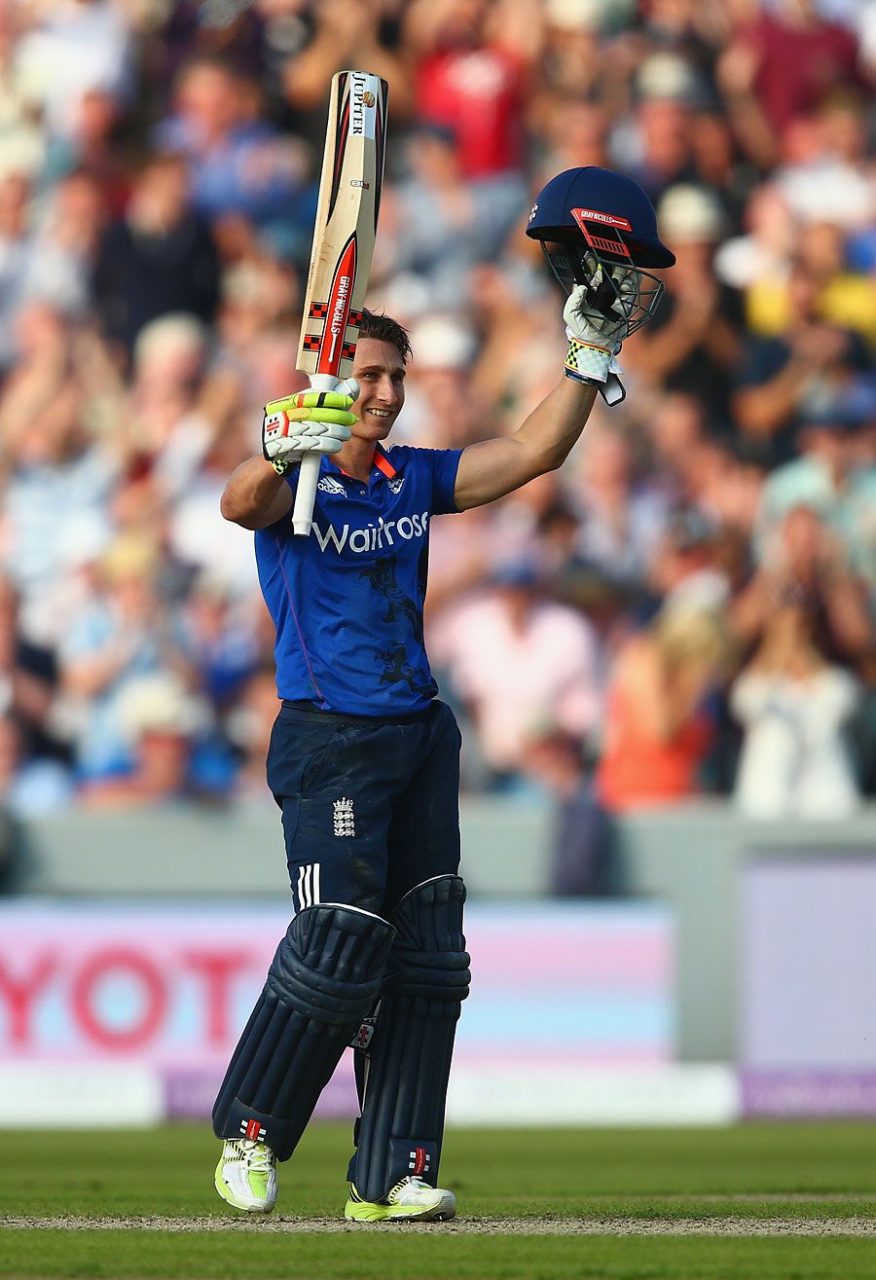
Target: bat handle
[(308, 472)]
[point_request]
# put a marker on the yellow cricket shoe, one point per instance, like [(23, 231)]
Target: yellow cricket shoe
[(246, 1175), (410, 1200)]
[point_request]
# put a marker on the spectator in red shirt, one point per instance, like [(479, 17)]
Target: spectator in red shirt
[(781, 66), (470, 85)]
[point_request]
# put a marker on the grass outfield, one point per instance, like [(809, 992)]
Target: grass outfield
[(789, 1201)]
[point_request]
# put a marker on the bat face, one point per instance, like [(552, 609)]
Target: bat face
[(346, 224)]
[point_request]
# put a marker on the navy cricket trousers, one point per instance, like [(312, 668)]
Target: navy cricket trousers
[(370, 806)]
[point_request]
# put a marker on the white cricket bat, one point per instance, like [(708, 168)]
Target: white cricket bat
[(343, 244)]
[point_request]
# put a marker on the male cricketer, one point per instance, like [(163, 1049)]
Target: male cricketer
[(364, 760)]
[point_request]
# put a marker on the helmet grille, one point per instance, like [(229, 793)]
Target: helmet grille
[(615, 286)]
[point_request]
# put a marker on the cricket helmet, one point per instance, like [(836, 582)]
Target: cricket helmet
[(592, 221)]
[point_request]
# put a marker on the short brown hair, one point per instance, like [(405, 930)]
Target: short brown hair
[(385, 329)]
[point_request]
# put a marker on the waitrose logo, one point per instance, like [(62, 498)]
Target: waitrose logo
[(374, 537)]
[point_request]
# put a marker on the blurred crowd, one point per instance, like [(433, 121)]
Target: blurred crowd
[(686, 608)]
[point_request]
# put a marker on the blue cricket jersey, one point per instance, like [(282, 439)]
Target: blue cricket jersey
[(347, 601)]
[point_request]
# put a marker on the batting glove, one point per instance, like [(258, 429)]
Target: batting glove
[(307, 422), (596, 316)]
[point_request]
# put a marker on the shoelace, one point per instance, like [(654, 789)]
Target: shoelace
[(409, 1183), (258, 1157)]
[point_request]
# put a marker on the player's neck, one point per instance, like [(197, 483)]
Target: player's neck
[(356, 457)]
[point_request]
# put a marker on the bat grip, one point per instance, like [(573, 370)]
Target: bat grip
[(308, 471)]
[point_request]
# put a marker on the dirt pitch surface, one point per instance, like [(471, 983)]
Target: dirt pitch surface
[(537, 1226)]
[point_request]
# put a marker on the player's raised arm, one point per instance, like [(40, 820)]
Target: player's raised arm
[(598, 230), (492, 468)]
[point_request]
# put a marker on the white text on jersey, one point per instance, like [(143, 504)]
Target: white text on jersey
[(375, 536)]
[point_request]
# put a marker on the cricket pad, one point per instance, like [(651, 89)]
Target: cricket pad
[(323, 980), (401, 1127)]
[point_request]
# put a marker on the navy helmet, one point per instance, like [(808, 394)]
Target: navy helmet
[(588, 218), (602, 204)]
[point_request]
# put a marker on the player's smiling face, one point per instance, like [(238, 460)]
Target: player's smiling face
[(380, 372)]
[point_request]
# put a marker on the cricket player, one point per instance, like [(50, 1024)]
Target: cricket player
[(364, 759)]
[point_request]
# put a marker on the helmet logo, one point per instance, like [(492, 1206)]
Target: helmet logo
[(593, 215), (613, 242), (533, 211)]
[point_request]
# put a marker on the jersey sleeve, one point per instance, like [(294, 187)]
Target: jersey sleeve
[(445, 464)]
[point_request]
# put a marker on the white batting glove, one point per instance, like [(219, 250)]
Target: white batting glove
[(307, 422), (597, 316)]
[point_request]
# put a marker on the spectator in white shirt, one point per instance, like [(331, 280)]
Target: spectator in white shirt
[(794, 706)]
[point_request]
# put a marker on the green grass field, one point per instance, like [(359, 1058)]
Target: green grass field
[(794, 1202)]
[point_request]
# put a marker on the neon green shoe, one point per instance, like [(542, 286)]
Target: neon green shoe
[(246, 1175), (411, 1200)]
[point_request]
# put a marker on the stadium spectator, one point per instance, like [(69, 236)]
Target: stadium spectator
[(810, 360), (236, 32), (446, 224), (693, 344), (197, 537), (513, 307), (337, 34), (684, 571), (64, 247), (844, 296), (827, 178), (160, 723), (157, 189), (657, 730), (656, 142), (581, 840), (571, 132), (522, 666), (807, 564), (676, 427), (59, 471), (121, 634), (759, 259), (828, 477), (239, 163), (788, 57), (46, 261), (621, 513), (94, 148), (571, 68), (794, 706), (159, 258), (470, 75), (71, 48), (217, 640)]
